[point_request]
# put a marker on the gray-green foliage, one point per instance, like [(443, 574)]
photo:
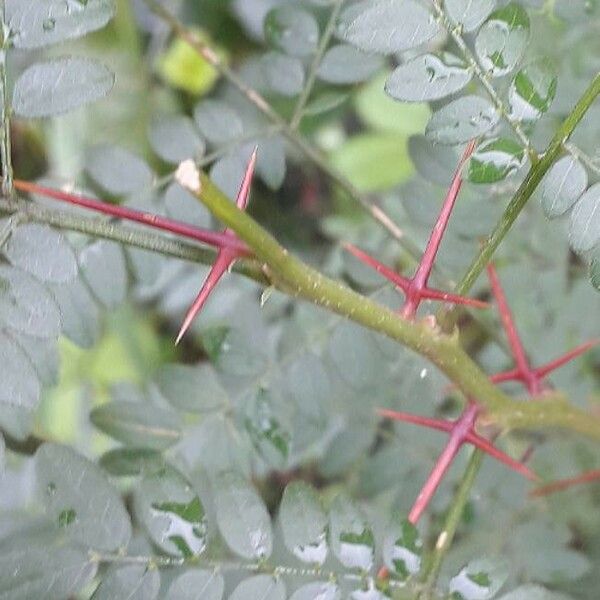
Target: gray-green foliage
[(283, 391)]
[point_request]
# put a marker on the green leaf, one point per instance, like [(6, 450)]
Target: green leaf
[(39, 23), (117, 170), (533, 592), (532, 91), (196, 584), (175, 138), (434, 162), (20, 384), (181, 205), (428, 77), (595, 272), (563, 186), (352, 539), (303, 523), (402, 549), (171, 511), (78, 498), (218, 122), (36, 562), (343, 64), (267, 432), (59, 86), (127, 462), (468, 14), (138, 424), (325, 102), (132, 582), (373, 161), (44, 357), (502, 40), (259, 587), (462, 120), (104, 269), (494, 160), (284, 74), (193, 389), (479, 580), (42, 252), (80, 313), (242, 517), (27, 306), (584, 229), (387, 26), (292, 30), (317, 590)]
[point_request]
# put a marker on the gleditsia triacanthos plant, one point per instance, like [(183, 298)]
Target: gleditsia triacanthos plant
[(182, 472)]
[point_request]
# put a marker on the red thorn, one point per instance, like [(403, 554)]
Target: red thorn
[(564, 484), (205, 236), (222, 263), (226, 257), (512, 375), (416, 419), (433, 294), (488, 448), (563, 360), (508, 322), (402, 282), (244, 192), (421, 277)]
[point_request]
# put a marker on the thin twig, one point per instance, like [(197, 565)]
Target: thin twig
[(316, 63)]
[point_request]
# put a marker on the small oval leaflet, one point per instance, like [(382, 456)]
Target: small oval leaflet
[(462, 120), (345, 64), (117, 170), (303, 523), (563, 186), (284, 74), (402, 548), (502, 40), (317, 591), (172, 513), (217, 121), (134, 582), (128, 462), (103, 266), (197, 584), (494, 160), (352, 539), (259, 587), (59, 86), (26, 305), (467, 13), (427, 77), (269, 436), (479, 580), (138, 424), (532, 91), (292, 30), (77, 496), (584, 229), (42, 252), (175, 138), (20, 383), (39, 23), (242, 517), (388, 26)]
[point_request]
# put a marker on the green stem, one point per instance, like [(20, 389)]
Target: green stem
[(530, 183), (446, 537), (5, 141), (316, 63), (292, 276)]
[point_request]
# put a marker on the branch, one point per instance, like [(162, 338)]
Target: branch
[(5, 141), (292, 276)]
